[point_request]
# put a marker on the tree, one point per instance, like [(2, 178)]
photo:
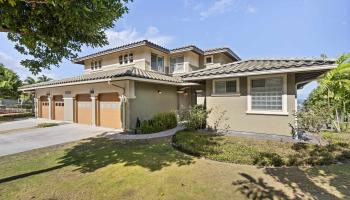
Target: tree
[(44, 78), (52, 30), (9, 83), (333, 94), (29, 80)]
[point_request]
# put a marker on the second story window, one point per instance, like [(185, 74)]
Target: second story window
[(131, 57), (120, 60), (94, 65), (177, 64), (157, 62), (209, 59), (126, 58)]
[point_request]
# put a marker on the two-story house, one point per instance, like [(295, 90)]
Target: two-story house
[(137, 80)]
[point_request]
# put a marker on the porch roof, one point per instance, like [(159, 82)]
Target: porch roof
[(260, 66)]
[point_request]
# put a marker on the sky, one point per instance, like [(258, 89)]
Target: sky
[(251, 28)]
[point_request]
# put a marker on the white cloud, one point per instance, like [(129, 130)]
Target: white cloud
[(251, 9), (14, 65), (219, 7), (130, 34)]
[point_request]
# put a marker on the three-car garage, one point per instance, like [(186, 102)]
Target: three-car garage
[(101, 110)]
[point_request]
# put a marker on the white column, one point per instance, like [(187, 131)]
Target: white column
[(36, 107), (49, 98), (93, 110), (68, 108)]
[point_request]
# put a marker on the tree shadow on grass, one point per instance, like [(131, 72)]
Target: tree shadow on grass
[(299, 181), (257, 189), (95, 153)]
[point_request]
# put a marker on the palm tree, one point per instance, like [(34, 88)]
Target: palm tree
[(336, 85), (44, 78), (29, 80)]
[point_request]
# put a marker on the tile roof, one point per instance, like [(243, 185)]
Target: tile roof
[(188, 48), (121, 48), (121, 72), (256, 65), (221, 49)]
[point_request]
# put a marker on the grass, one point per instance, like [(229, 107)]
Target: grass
[(45, 125), (8, 118), (103, 169), (263, 153)]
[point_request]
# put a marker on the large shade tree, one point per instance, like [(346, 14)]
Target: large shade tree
[(51, 30), (9, 83)]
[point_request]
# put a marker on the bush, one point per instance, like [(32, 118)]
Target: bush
[(268, 159), (44, 125), (197, 118), (159, 122)]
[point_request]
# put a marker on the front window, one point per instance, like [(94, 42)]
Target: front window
[(266, 94), (229, 86), (131, 57), (120, 60), (177, 64), (125, 58), (157, 63)]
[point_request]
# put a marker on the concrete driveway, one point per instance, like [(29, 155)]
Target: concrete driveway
[(19, 136)]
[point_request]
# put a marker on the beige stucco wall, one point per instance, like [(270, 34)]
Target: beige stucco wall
[(219, 59), (148, 102), (233, 111), (111, 61)]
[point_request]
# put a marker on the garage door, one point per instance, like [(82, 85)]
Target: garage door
[(84, 109), (44, 107), (109, 110), (58, 107)]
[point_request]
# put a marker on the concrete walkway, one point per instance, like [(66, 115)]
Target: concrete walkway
[(119, 136), (33, 138)]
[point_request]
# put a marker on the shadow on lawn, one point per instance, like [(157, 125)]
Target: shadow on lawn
[(302, 183), (95, 153)]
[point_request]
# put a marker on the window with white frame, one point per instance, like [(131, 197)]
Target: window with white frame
[(225, 86), (94, 65), (157, 62), (209, 59), (177, 64), (126, 58), (267, 94)]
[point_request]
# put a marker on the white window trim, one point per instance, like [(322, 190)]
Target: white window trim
[(226, 94), (284, 110), (212, 59)]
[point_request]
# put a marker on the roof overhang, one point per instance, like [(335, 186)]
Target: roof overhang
[(110, 79), (256, 73)]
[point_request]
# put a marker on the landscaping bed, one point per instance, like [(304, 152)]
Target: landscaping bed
[(13, 116), (263, 153)]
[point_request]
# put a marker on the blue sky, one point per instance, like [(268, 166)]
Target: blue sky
[(252, 29)]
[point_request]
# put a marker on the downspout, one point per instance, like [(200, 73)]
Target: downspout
[(123, 101)]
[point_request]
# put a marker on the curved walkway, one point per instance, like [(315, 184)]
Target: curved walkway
[(167, 133)]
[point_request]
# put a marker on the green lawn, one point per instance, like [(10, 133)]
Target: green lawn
[(244, 150), (103, 169)]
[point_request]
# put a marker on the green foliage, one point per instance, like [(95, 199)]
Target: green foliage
[(242, 150), (196, 118), (52, 30), (160, 122), (29, 80), (312, 118), (44, 125), (43, 78), (9, 83), (333, 93), (12, 117)]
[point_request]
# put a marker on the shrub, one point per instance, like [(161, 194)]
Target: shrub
[(197, 118), (159, 122), (44, 125), (268, 159)]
